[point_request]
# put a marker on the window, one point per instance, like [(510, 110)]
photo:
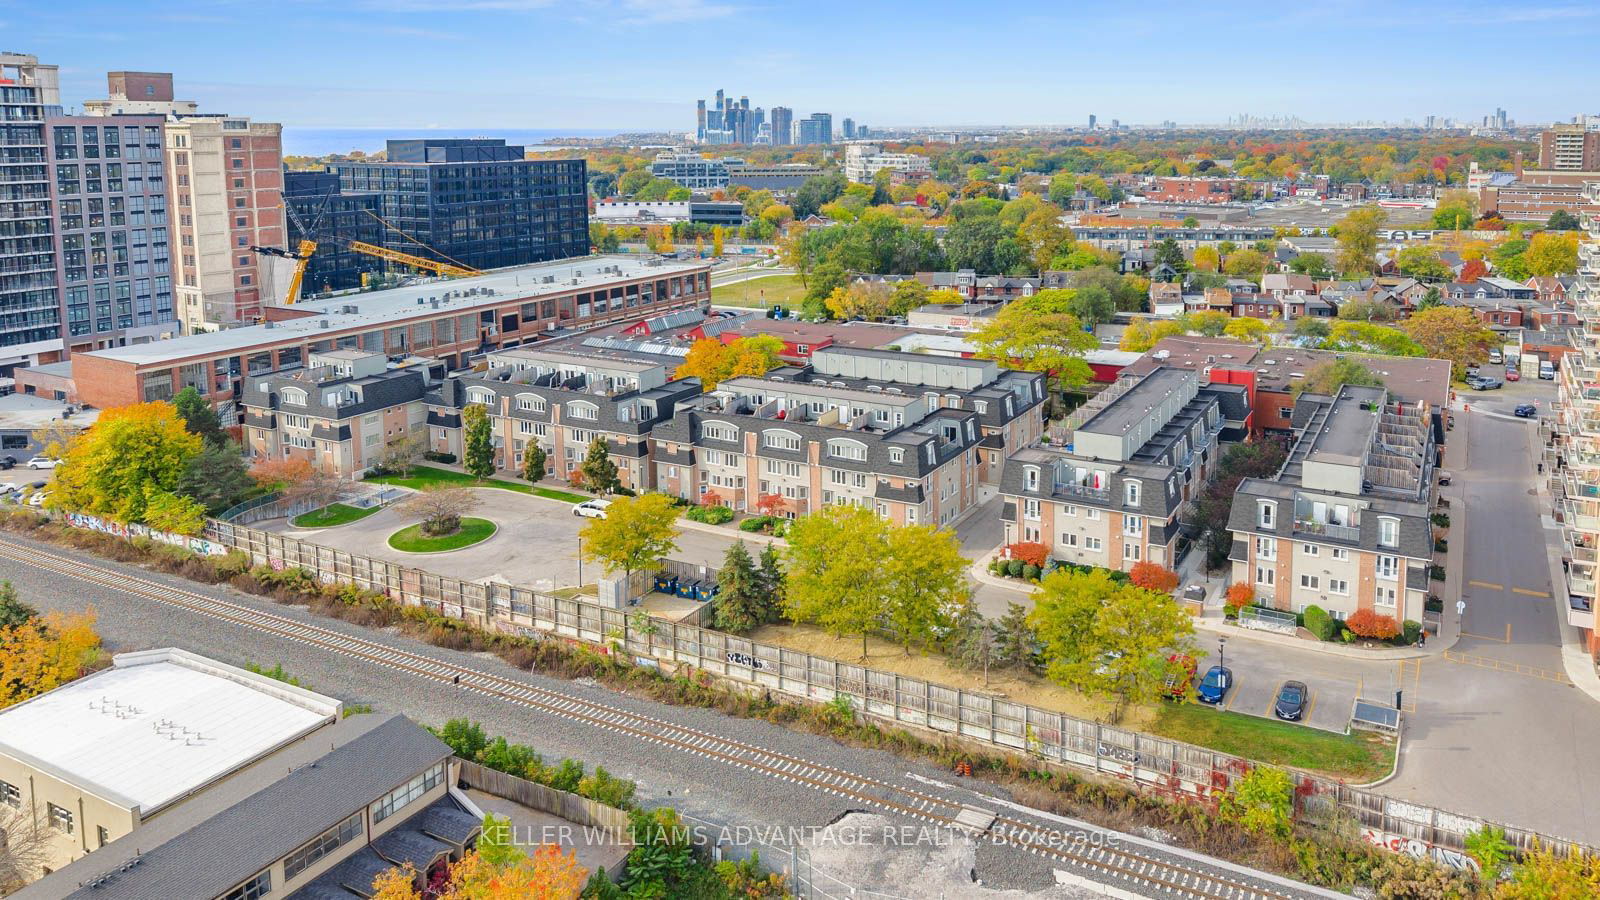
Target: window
[(1133, 525), (530, 403), (385, 806), (60, 818), (1267, 513), (321, 846), (1310, 582), (1030, 478), (897, 455), (9, 795), (1341, 554), (102, 835), (1310, 549), (1130, 493), (293, 396), (1286, 412), (1091, 543), (1338, 586), (1069, 511), (1385, 596), (1266, 548), (1388, 567), (1092, 514), (850, 450), (1388, 531), (1030, 508), (719, 431), (582, 410), (1265, 575), (1130, 551), (780, 440), (258, 886), (1068, 539)]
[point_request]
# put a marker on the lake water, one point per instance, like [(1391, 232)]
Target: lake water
[(322, 141)]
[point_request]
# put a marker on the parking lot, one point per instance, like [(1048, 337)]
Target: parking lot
[(1333, 682)]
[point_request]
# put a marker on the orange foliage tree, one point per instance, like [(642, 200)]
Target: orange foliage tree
[(1032, 553), (548, 874), (1154, 576), (769, 504), (44, 653), (1369, 624), (1240, 594)]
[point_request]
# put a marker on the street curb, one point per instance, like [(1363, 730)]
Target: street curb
[(979, 571), (1399, 748), (724, 531), (472, 546), (1376, 655)]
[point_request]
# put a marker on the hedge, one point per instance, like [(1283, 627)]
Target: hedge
[(710, 515), (1319, 623)]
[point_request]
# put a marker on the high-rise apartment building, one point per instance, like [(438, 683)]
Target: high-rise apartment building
[(226, 185), (849, 127), (30, 321), (109, 185), (782, 126), (1572, 457), (1569, 148), (476, 202), (816, 128)]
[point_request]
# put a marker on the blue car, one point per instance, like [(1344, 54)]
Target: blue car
[(1215, 686)]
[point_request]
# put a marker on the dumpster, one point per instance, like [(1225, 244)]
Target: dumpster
[(666, 583)]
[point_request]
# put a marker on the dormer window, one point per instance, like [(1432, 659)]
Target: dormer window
[(1388, 531), (582, 410), (1267, 514), (293, 396), (1130, 493), (897, 455), (530, 403), (480, 395), (1030, 478)]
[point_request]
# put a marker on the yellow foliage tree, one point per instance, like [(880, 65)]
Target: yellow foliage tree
[(714, 362), (548, 874), (716, 241), (128, 463), (42, 654), (866, 299), (1205, 259)]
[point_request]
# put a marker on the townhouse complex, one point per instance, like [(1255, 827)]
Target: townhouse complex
[(1117, 492), (1344, 524)]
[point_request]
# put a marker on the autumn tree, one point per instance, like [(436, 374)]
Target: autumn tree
[(1423, 263), (1143, 334), (1452, 333), (1043, 235), (1153, 576), (1550, 253), (1472, 271), (1249, 329), (478, 441), (599, 472), (835, 566), (925, 583), (859, 300), (1022, 336), (1249, 264), (1358, 240), (42, 653), (534, 461), (637, 533), (1365, 337), (440, 507), (906, 296), (1327, 377), (1205, 259), (547, 873), (135, 456), (1209, 322), (714, 362), (716, 241)]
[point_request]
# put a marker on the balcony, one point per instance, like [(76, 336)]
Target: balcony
[(1348, 533), (1580, 609), (1102, 495)]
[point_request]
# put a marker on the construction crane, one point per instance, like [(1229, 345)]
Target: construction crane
[(308, 247)]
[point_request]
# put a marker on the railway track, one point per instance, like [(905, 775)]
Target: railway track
[(1113, 862)]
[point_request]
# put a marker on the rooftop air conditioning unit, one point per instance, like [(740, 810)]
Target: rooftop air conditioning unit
[(324, 323)]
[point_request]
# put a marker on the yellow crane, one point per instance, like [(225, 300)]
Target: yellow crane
[(308, 247)]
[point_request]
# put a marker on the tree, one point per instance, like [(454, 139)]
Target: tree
[(1209, 322), (278, 474), (1430, 299), (599, 472), (1453, 217), (1104, 637), (1365, 337), (1261, 802), (464, 736), (907, 295), (43, 653), (534, 460), (1358, 240), (1016, 643), (816, 191), (478, 439), (13, 611), (1561, 220), (402, 452), (165, 511), (738, 606), (1510, 259), (1488, 847), (836, 570), (199, 417), (1043, 236), (860, 300), (1250, 329), (316, 489), (1544, 874), (1450, 332), (548, 872), (1552, 254), (1314, 328), (925, 583), (1362, 309), (714, 362), (1141, 335), (1422, 263), (1472, 271), (636, 534), (1313, 264), (1248, 264), (216, 478), (29, 844), (133, 454), (773, 584), (1022, 337), (716, 241), (1168, 253), (984, 245), (440, 507), (1327, 377), (1153, 576), (1205, 259)]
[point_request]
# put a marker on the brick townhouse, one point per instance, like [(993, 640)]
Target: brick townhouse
[(342, 413), (1344, 524), (1116, 495), (562, 397), (917, 438)]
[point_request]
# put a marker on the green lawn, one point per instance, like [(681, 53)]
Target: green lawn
[(412, 540), (426, 476), (1359, 756), (762, 292), (331, 515)]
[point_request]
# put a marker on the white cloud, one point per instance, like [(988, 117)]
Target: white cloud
[(627, 12)]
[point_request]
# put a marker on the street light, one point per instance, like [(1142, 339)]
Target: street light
[(1222, 641), (580, 560)]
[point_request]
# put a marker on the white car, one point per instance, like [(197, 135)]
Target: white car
[(591, 509), (7, 487), (37, 500), (42, 462)]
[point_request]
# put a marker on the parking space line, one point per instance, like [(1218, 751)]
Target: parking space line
[(1311, 707), (1233, 694), (1272, 701), (1487, 584), (1530, 593), (1485, 637), (1486, 662)]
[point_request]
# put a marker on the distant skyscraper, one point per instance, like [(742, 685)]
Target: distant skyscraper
[(32, 325), (817, 129), (782, 126), (849, 126), (700, 120), (862, 132), (1091, 121)]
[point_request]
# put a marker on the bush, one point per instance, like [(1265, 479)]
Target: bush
[(1368, 624), (1441, 520), (1014, 568), (1154, 577), (1030, 552), (1030, 571), (710, 515), (1410, 631), (757, 523), (435, 456), (1319, 623), (1239, 595)]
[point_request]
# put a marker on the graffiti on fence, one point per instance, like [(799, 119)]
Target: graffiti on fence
[(198, 545), (1395, 843), (745, 659)]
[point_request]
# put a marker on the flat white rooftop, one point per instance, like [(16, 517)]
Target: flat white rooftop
[(384, 308), (157, 726)]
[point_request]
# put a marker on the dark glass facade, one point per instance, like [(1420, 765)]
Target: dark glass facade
[(475, 202), (343, 218)]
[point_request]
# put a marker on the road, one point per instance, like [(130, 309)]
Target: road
[(708, 765)]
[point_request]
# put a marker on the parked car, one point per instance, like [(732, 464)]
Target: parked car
[(591, 509), (1290, 704), (1215, 686), (37, 499), (1495, 357), (1180, 676), (7, 462), (1512, 374), (1547, 372), (42, 462), (1472, 370), (1484, 383), (1525, 411), (6, 487)]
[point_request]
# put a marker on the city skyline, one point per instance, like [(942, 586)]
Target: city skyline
[(618, 46)]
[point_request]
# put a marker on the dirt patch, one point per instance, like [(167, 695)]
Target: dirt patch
[(933, 668)]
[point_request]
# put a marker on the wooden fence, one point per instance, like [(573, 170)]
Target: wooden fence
[(1149, 762), (569, 806)]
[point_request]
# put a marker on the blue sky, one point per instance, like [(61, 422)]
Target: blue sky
[(640, 64)]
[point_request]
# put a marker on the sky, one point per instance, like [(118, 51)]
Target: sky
[(635, 65)]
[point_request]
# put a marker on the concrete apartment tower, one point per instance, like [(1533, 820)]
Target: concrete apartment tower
[(227, 191), (30, 324)]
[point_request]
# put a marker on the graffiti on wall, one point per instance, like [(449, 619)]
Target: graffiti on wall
[(199, 545), (1395, 843)]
